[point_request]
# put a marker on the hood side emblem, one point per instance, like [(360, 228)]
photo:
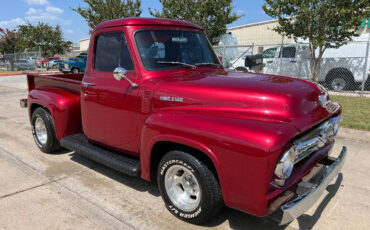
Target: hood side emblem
[(167, 98)]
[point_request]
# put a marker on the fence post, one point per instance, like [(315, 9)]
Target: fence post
[(223, 55), (42, 69), (365, 66), (281, 55)]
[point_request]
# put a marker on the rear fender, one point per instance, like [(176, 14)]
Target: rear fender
[(63, 106)]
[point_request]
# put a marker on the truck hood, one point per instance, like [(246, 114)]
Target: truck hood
[(245, 96)]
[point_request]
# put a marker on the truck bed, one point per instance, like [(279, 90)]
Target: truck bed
[(70, 82)]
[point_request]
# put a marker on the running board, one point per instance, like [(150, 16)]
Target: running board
[(117, 161)]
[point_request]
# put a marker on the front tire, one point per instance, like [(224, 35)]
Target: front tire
[(75, 70), (189, 189), (43, 131)]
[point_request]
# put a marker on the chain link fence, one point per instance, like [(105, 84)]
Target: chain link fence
[(32, 61), (344, 70), (24, 61)]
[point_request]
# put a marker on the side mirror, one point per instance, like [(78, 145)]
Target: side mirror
[(120, 73)]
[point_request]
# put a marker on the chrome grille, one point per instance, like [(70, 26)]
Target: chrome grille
[(316, 139)]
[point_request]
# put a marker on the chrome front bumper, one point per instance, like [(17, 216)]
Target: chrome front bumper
[(298, 206)]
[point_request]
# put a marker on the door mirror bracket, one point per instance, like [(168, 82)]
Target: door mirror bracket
[(120, 73)]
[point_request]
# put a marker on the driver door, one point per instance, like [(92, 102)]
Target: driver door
[(109, 106)]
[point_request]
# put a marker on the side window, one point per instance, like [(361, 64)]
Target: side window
[(111, 51), (289, 52), (269, 53)]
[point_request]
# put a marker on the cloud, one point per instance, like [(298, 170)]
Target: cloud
[(32, 11), (68, 31), (240, 12), (54, 10), (12, 23), (49, 15), (38, 2)]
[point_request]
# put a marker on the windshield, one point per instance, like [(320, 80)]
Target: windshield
[(156, 47)]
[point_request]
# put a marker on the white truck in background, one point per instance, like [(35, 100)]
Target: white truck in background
[(341, 69)]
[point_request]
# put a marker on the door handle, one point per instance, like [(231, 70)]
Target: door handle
[(293, 61), (88, 84), (269, 61)]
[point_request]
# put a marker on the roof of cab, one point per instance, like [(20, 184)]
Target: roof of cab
[(145, 21)]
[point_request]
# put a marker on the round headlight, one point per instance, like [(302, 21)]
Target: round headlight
[(286, 164), (285, 169)]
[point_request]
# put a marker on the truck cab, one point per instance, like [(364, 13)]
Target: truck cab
[(155, 102)]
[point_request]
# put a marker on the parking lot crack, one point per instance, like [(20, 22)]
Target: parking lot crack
[(96, 205)]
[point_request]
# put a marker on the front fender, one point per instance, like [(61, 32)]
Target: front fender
[(63, 105), (244, 152)]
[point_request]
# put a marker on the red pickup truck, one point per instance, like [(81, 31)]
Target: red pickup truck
[(155, 102)]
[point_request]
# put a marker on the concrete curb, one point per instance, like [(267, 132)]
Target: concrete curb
[(24, 73), (10, 74), (354, 134)]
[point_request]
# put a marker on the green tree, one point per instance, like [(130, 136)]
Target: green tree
[(325, 23), (212, 15), (8, 40), (46, 37), (98, 11), (9, 44)]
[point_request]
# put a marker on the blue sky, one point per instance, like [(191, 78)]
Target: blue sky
[(74, 27)]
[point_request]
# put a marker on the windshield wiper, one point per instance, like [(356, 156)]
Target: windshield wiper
[(193, 67), (207, 63)]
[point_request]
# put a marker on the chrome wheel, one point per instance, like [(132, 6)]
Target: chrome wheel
[(182, 188), (40, 130), (338, 84)]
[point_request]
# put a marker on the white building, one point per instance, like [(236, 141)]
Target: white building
[(262, 33)]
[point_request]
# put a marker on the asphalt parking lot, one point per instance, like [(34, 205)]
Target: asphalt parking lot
[(67, 191)]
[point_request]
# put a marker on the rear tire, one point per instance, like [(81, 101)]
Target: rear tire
[(340, 79), (43, 131), (338, 84), (189, 189), (75, 70)]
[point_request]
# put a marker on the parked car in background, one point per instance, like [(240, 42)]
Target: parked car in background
[(246, 63), (54, 63), (40, 63), (77, 65), (341, 69), (22, 64), (43, 63)]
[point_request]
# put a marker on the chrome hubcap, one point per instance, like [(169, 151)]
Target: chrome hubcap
[(182, 188), (338, 84), (40, 130)]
